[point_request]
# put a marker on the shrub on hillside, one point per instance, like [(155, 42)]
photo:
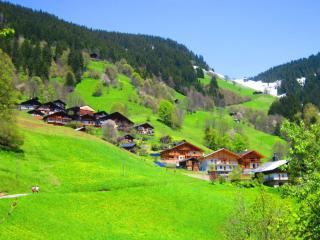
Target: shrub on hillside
[(94, 74), (98, 90)]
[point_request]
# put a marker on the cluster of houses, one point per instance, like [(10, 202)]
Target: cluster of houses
[(56, 113), (223, 161), (183, 155)]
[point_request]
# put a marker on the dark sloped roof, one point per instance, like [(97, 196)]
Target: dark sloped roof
[(117, 115), (59, 102), (61, 113), (146, 125), (51, 105), (35, 111), (33, 101)]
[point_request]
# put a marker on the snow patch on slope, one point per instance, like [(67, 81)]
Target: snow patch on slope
[(269, 88)]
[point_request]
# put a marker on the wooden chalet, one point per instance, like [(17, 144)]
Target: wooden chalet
[(122, 122), (49, 108), (60, 103), (88, 120), (220, 162), (179, 152), (190, 164), (250, 160), (273, 173), (145, 129), (30, 104), (58, 118), (86, 110), (74, 113), (36, 113)]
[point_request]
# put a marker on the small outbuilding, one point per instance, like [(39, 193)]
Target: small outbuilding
[(190, 164), (145, 129)]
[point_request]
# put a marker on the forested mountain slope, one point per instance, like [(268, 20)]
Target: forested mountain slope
[(170, 61), (303, 67)]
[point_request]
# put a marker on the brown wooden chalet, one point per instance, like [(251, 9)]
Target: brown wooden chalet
[(88, 120), (86, 110), (144, 129), (57, 118), (49, 108), (122, 122), (30, 104), (180, 152), (249, 161), (36, 113), (220, 162), (74, 113)]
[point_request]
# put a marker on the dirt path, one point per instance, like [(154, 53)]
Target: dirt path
[(198, 176), (14, 195)]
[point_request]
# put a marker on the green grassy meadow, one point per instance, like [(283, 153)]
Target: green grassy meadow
[(258, 101), (84, 194)]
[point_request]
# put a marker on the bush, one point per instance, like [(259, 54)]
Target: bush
[(94, 74), (155, 147), (98, 90), (221, 179)]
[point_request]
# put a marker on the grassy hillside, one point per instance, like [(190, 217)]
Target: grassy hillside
[(258, 101), (194, 124), (85, 196)]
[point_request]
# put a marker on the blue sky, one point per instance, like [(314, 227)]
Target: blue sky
[(236, 37)]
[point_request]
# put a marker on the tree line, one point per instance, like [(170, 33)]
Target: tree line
[(149, 55)]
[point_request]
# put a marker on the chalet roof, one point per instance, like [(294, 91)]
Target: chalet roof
[(117, 115), (181, 144), (269, 166), (59, 102), (75, 108), (87, 108), (243, 154), (51, 105), (146, 125), (101, 115), (222, 149), (33, 101), (128, 136), (61, 114), (35, 111)]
